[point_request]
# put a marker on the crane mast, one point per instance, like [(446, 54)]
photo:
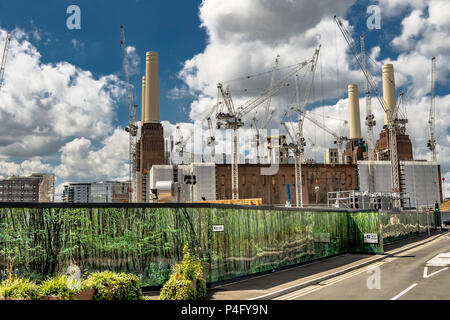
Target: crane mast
[(180, 144), (211, 140), (298, 144), (4, 58), (370, 119), (431, 121), (131, 128), (267, 115)]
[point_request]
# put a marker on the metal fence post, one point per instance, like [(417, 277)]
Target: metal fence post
[(381, 232)]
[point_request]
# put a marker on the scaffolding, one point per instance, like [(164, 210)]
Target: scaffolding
[(354, 199)]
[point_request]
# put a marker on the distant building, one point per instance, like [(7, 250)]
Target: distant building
[(77, 193), (96, 192), (109, 191), (36, 188), (331, 156)]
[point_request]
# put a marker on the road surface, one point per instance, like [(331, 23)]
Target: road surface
[(422, 273)]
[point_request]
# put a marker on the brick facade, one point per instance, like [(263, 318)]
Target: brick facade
[(272, 189)]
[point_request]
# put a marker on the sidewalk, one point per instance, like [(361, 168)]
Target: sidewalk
[(281, 282)]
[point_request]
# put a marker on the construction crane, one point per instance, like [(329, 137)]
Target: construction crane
[(370, 118), (297, 148), (431, 121), (4, 58), (338, 140), (180, 144), (211, 140), (267, 115), (392, 122), (131, 128), (231, 118), (298, 145)]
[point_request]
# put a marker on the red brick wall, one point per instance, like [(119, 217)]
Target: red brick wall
[(272, 189)]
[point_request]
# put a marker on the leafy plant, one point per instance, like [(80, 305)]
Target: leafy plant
[(114, 286), (157, 275), (20, 288), (186, 282), (61, 286)]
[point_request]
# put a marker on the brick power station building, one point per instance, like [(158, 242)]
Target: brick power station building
[(156, 175)]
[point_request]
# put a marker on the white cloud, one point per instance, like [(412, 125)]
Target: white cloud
[(26, 168), (82, 162), (134, 61), (42, 104)]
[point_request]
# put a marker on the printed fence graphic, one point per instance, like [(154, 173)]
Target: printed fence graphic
[(147, 239)]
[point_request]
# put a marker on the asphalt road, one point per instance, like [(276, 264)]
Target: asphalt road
[(407, 276)]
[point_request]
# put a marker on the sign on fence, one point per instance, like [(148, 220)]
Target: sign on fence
[(218, 228), (370, 238)]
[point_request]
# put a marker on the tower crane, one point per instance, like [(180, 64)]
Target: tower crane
[(392, 121), (297, 146), (267, 115), (211, 140), (180, 143), (370, 118), (131, 128), (339, 140), (431, 121), (231, 118), (4, 57)]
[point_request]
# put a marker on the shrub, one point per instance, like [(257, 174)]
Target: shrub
[(157, 275), (114, 286), (61, 286), (186, 282), (20, 288)]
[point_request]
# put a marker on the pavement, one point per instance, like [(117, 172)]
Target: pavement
[(331, 278)]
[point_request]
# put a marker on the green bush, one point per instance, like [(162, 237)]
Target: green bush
[(186, 282), (114, 286), (20, 288), (157, 275), (61, 286)]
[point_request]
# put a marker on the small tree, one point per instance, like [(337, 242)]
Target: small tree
[(187, 280)]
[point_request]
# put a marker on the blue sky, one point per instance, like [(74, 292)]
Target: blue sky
[(168, 27), (62, 106)]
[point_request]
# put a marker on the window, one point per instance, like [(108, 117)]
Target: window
[(263, 180), (243, 180), (283, 179), (274, 180), (222, 180), (293, 180), (253, 179)]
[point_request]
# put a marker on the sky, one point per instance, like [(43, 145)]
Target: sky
[(63, 100)]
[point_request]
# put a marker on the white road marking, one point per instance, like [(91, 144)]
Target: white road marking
[(441, 260), (404, 291), (426, 275), (326, 283), (312, 287)]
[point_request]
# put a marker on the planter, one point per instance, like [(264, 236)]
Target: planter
[(50, 298), (87, 294), (3, 298)]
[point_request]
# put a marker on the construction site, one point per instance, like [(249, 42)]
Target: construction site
[(359, 172)]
